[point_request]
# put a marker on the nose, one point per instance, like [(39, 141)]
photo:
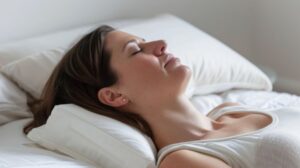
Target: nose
[(160, 47)]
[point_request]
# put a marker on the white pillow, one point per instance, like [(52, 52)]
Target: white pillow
[(215, 67), (31, 73), (13, 102), (65, 38), (17, 151), (95, 139)]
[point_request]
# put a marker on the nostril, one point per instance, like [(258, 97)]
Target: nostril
[(162, 50)]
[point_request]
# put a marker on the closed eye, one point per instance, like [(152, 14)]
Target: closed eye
[(136, 52), (135, 46)]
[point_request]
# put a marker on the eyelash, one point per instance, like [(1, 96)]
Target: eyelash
[(136, 52)]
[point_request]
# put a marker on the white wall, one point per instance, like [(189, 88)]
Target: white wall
[(227, 20), (276, 41)]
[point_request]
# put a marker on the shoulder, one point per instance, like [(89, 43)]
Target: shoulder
[(191, 159)]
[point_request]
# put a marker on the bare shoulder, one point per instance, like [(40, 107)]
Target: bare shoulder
[(191, 159)]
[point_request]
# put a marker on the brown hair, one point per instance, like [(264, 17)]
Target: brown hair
[(77, 78)]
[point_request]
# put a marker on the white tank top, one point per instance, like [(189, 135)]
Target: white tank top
[(276, 145)]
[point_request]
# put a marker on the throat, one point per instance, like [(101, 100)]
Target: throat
[(176, 121), (174, 129)]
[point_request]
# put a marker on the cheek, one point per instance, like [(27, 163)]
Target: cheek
[(143, 73)]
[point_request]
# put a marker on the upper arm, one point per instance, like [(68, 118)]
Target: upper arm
[(191, 159)]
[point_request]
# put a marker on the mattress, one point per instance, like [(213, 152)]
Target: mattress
[(18, 151)]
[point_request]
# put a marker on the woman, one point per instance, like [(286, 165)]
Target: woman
[(122, 76)]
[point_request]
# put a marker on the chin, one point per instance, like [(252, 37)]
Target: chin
[(178, 81), (183, 76), (179, 72), (186, 71)]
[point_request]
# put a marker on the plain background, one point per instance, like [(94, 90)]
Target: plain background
[(266, 32)]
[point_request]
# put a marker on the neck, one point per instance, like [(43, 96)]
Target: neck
[(176, 121)]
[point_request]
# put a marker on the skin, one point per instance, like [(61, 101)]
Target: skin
[(156, 93)]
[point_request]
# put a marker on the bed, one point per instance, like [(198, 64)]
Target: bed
[(240, 81), (18, 151)]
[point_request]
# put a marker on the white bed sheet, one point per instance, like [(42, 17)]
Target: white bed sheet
[(17, 151), (261, 99)]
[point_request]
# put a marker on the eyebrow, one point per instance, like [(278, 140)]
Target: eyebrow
[(131, 41)]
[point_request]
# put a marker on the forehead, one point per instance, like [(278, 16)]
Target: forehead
[(115, 40)]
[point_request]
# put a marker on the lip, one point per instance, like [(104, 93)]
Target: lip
[(168, 59)]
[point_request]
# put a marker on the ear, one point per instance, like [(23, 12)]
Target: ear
[(111, 97)]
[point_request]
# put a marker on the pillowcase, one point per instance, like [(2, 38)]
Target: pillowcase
[(17, 151), (13, 102), (31, 73), (14, 51), (215, 67), (64, 39), (95, 139)]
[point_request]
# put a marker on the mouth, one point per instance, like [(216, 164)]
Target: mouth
[(169, 59)]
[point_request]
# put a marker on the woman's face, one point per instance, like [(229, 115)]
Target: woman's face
[(145, 70)]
